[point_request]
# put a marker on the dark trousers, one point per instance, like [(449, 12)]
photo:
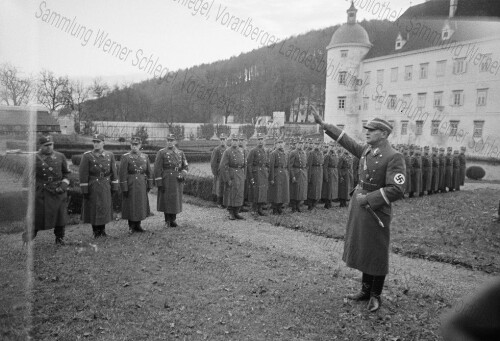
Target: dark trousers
[(58, 232), (374, 284), (98, 229), (170, 217)]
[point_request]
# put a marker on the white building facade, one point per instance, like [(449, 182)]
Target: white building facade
[(438, 85)]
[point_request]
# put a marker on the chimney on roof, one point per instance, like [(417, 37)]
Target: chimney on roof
[(453, 7)]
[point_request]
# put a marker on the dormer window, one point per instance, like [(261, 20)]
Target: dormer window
[(400, 42), (446, 32)]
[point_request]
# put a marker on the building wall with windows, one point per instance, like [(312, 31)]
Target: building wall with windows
[(443, 94)]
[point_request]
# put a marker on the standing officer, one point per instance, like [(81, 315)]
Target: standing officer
[(170, 171), (279, 190), (442, 170), (435, 171), (258, 174), (406, 154), (382, 179), (232, 170), (247, 195), (416, 175), (98, 178), (315, 161), (136, 179), (217, 187), (426, 171), (463, 165), (456, 170), (330, 187), (297, 168), (51, 184), (345, 176), (448, 171)]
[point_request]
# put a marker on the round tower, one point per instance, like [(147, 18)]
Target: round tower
[(349, 45)]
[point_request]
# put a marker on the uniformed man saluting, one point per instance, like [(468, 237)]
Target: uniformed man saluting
[(170, 171), (51, 183), (136, 179), (381, 181), (98, 177)]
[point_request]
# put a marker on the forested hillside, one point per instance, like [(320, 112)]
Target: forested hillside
[(246, 86)]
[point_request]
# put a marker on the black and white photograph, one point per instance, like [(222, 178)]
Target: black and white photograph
[(250, 170)]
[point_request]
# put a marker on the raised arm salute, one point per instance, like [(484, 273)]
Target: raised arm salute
[(381, 181)]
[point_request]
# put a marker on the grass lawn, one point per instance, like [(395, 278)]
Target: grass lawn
[(455, 228)]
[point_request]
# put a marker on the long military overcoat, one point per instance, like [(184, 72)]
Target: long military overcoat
[(136, 178), (170, 167), (232, 170), (442, 171), (408, 173), (463, 164), (279, 191), (98, 176), (416, 175), (258, 174), (345, 176), (382, 178), (51, 208), (435, 173), (448, 172), (218, 185), (456, 173), (297, 168), (315, 160), (330, 187), (426, 173)]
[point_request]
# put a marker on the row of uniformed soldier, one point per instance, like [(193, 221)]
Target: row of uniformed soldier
[(433, 171), (279, 175)]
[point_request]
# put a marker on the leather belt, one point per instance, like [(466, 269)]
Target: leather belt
[(368, 187), (236, 167), (99, 177), (299, 167), (171, 168), (136, 172)]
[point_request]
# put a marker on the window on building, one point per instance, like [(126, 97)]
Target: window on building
[(457, 98), (459, 66), (408, 72), (419, 127), (421, 99), (394, 74), (440, 68), (404, 127), (391, 103), (435, 127), (478, 128), (341, 102), (438, 99), (424, 68), (406, 102), (380, 76), (343, 53), (367, 77), (366, 100), (453, 128), (342, 77), (481, 97), (485, 62)]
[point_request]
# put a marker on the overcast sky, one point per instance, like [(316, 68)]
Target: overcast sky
[(37, 35)]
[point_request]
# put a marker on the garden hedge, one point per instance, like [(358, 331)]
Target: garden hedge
[(475, 172), (14, 206)]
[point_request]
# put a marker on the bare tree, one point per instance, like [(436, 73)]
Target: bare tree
[(52, 90), (14, 89), (75, 93), (99, 88)]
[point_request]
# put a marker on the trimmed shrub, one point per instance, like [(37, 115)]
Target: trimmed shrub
[(475, 173), (221, 128), (207, 131), (262, 130), (198, 186), (14, 206), (177, 130), (23, 145), (76, 159), (142, 132), (198, 157), (248, 130)]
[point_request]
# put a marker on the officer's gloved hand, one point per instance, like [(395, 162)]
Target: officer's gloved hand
[(230, 183), (294, 180), (63, 186), (125, 194), (59, 190), (271, 182)]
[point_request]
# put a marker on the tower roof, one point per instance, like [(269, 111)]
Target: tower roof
[(350, 33)]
